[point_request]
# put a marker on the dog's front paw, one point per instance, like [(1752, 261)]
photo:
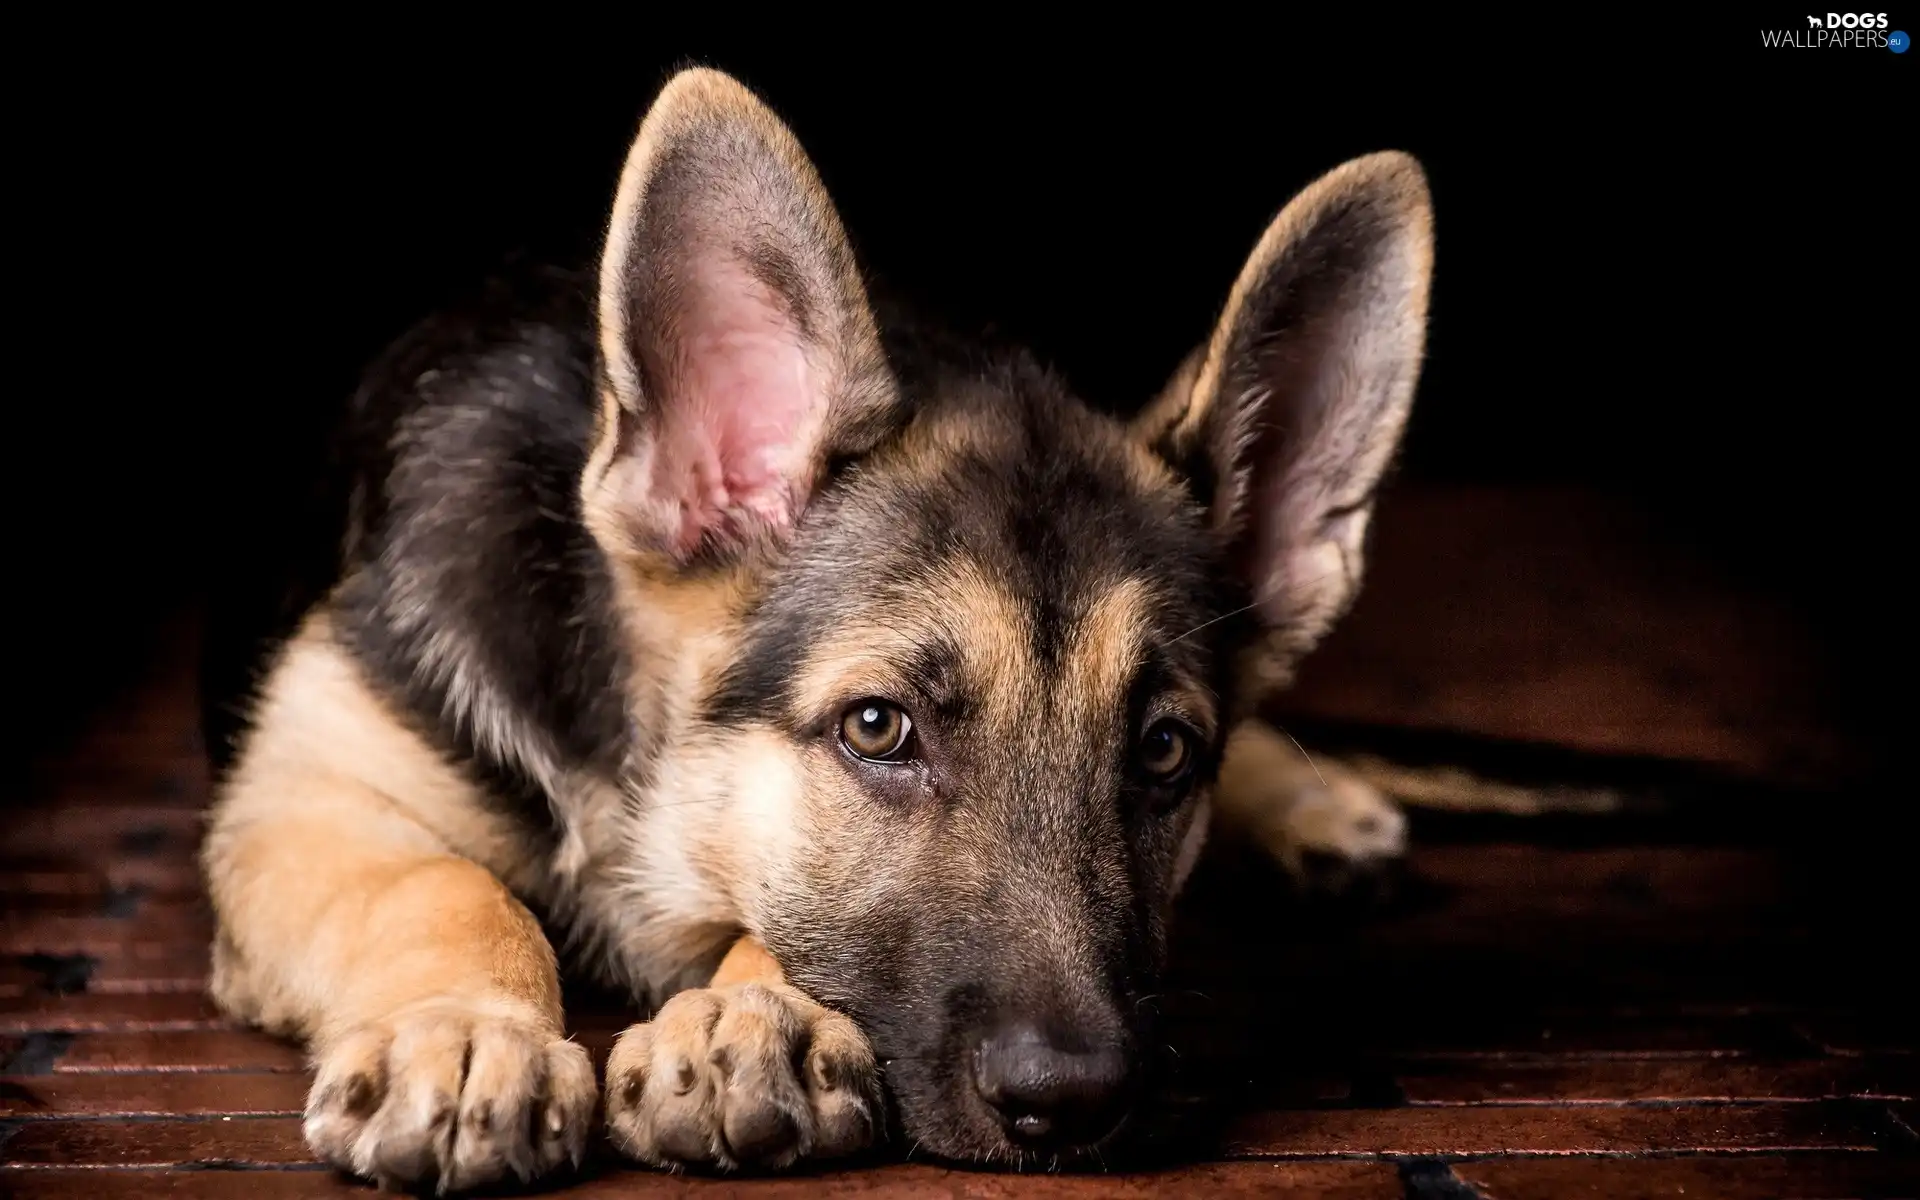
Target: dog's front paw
[(751, 1075), (450, 1097)]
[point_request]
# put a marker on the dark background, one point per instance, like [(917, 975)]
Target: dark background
[(1669, 263)]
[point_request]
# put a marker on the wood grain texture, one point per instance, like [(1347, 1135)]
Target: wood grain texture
[(1536, 1129), (110, 1011), (153, 1094), (184, 1050), (1748, 1177), (1229, 1181), (1663, 1079), (271, 1141)]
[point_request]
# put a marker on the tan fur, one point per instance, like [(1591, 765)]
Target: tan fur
[(1107, 650), (398, 820), (1456, 790), (725, 811), (1173, 405), (926, 450), (955, 597), (361, 908), (747, 962)]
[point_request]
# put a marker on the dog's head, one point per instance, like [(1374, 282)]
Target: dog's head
[(971, 649)]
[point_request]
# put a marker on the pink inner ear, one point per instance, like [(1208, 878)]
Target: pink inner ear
[(736, 432)]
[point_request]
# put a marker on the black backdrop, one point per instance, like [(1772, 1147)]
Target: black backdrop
[(1669, 262)]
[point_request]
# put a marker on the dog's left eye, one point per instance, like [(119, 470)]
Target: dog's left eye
[(1166, 752), (876, 731)]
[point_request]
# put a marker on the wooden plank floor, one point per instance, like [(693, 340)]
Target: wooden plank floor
[(1686, 1004)]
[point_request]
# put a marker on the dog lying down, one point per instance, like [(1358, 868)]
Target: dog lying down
[(854, 697)]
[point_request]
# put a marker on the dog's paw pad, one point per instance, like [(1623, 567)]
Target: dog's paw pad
[(450, 1098), (751, 1075)]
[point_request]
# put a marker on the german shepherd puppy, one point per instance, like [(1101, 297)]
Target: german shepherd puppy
[(852, 697)]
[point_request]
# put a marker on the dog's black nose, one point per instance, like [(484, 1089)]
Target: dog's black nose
[(1048, 1095)]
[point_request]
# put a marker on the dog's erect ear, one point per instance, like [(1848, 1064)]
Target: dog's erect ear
[(1286, 419), (738, 351)]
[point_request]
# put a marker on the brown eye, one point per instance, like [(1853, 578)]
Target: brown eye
[(1166, 752), (876, 731)]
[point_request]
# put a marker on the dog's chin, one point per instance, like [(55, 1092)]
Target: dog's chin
[(942, 1118)]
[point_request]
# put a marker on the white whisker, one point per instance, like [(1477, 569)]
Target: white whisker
[(1222, 617), (1305, 755)]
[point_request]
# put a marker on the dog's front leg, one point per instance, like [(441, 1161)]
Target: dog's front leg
[(426, 993), (1323, 823), (746, 1071)]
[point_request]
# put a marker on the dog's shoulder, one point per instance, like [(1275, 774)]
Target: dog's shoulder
[(471, 592), (464, 586)]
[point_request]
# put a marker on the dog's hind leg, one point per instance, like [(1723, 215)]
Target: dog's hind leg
[(1324, 824), (746, 1071), (353, 915)]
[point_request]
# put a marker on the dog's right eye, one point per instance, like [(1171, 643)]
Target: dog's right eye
[(876, 731)]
